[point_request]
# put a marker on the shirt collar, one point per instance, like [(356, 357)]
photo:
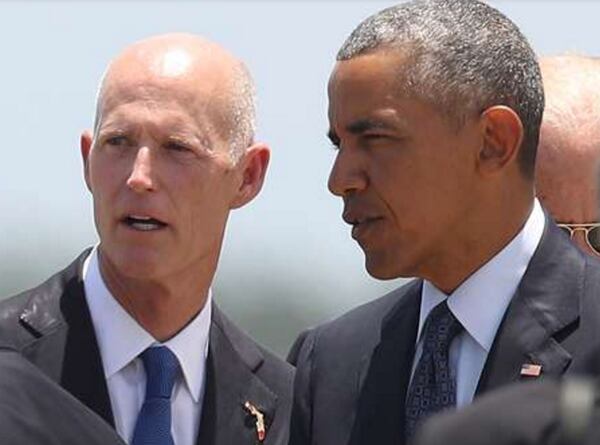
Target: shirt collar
[(121, 339), (480, 302)]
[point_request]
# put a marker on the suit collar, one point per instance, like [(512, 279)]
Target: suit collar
[(121, 339), (237, 358), (546, 303), (480, 301), (385, 372), (65, 345)]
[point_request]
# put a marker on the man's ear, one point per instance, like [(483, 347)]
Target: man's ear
[(253, 166), (502, 137), (85, 144)]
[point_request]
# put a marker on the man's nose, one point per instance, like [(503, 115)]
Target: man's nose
[(141, 177), (347, 174)]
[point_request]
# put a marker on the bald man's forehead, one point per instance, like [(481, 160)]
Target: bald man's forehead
[(188, 70), (567, 183), (158, 89), (176, 55), (149, 101), (174, 76)]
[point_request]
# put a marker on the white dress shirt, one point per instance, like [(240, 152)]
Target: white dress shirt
[(121, 340), (479, 303)]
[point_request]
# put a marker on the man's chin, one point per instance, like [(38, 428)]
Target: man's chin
[(384, 270), (138, 264)]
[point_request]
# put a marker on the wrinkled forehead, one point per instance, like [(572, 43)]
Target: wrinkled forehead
[(568, 182), (202, 92), (160, 90), (381, 74)]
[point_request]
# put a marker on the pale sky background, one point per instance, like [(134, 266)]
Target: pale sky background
[(288, 260)]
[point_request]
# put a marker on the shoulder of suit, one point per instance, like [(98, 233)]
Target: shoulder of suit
[(494, 415), (259, 358), (363, 322), (39, 306), (592, 266), (372, 314)]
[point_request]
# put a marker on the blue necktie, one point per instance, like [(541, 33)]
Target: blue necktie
[(153, 425), (433, 388)]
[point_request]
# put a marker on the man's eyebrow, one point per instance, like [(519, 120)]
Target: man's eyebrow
[(362, 125), (358, 127)]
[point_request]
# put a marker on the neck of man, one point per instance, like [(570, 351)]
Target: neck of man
[(482, 236), (163, 306)]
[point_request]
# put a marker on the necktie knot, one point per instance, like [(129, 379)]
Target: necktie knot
[(440, 328), (161, 367)]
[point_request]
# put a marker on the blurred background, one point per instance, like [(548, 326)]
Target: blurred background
[(288, 260)]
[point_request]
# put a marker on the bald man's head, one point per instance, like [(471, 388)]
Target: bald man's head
[(567, 169), (171, 112), (201, 70)]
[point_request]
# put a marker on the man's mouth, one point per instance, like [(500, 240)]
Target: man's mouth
[(359, 227), (360, 223), (143, 223)]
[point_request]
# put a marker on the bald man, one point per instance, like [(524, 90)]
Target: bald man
[(130, 327), (568, 161)]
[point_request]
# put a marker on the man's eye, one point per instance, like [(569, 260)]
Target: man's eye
[(117, 141), (374, 137), (177, 146)]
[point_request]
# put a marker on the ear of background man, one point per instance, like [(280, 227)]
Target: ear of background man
[(171, 155), (524, 295)]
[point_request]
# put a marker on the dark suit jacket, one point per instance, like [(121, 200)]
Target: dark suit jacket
[(530, 413), (36, 411), (352, 373), (51, 326), (521, 414)]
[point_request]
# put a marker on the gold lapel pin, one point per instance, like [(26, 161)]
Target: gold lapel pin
[(259, 417)]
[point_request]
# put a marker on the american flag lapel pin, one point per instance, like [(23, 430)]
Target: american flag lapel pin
[(259, 420), (531, 370)]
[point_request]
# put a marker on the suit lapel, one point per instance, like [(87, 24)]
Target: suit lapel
[(385, 373), (230, 382), (546, 303), (66, 348)]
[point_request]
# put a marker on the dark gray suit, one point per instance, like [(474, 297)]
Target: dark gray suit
[(51, 326), (36, 411), (521, 414), (353, 372), (530, 413)]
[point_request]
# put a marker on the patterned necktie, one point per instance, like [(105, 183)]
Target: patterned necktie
[(432, 387), (153, 425)]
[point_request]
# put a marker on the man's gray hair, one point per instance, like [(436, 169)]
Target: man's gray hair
[(463, 56), (242, 112)]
